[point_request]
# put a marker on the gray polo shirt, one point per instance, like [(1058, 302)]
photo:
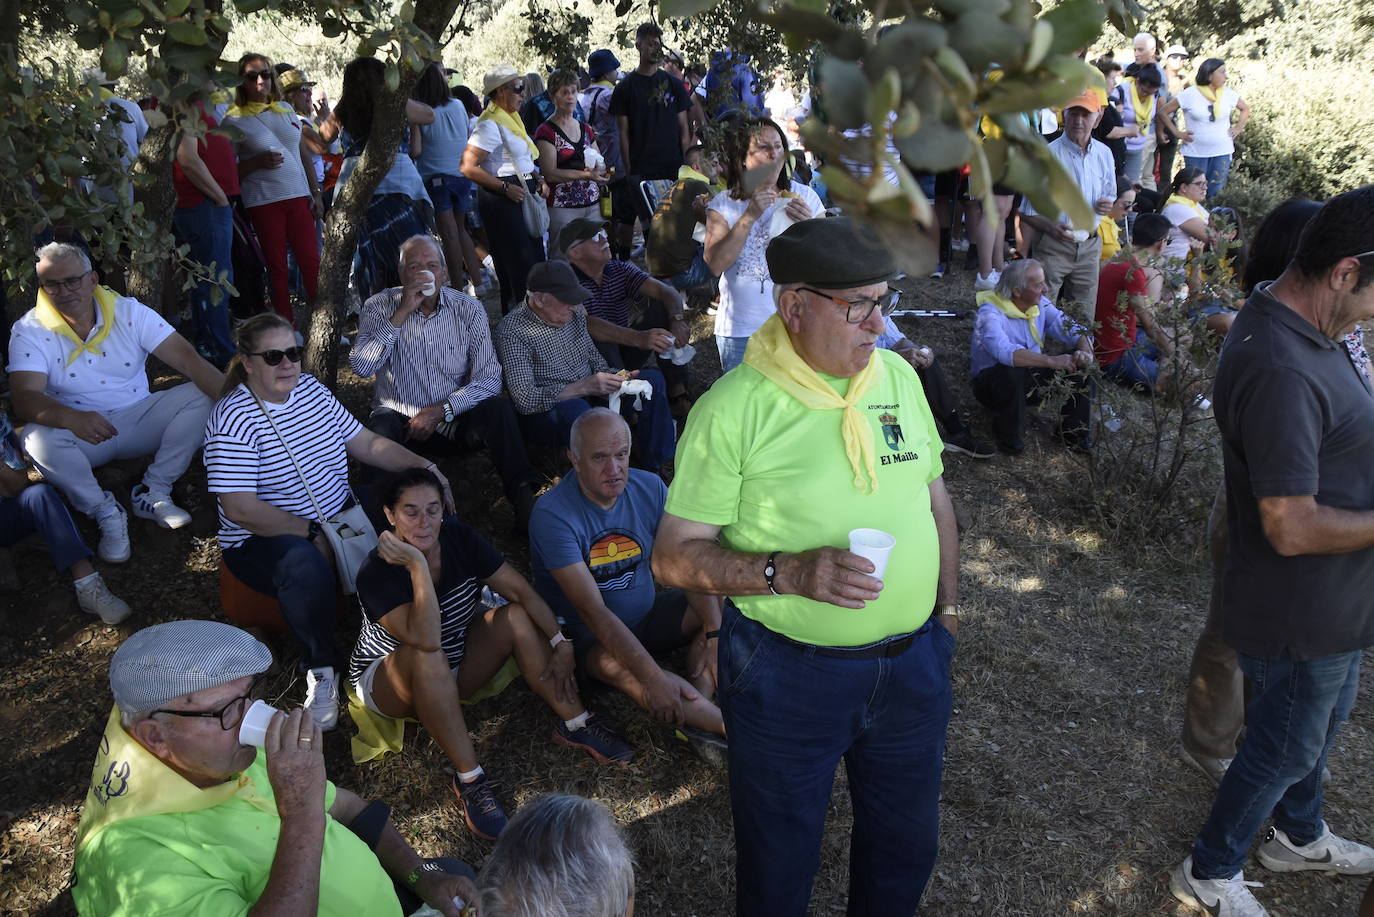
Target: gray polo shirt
[(1296, 418)]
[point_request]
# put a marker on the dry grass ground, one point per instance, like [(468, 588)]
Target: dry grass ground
[(1063, 791)]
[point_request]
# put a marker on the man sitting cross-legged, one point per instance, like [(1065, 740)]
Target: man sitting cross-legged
[(591, 538)]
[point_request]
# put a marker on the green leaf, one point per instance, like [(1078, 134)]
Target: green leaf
[(937, 146), (407, 11), (175, 7), (114, 58), (623, 7), (331, 28), (188, 33), (886, 93), (127, 19), (393, 76), (250, 6), (906, 45), (955, 8), (1077, 23), (677, 9), (81, 14), (983, 40), (845, 91), (1042, 34)]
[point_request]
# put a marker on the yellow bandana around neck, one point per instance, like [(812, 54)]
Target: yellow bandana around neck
[(494, 112), (52, 320), (249, 109), (687, 172), (770, 352), (1208, 93), (1011, 310), (1193, 205), (1143, 111)]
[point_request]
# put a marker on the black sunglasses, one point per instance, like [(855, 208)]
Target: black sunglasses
[(274, 357), (518, 87), (251, 75)]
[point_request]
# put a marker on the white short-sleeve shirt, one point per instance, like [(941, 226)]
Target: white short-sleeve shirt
[(1210, 137), (494, 139)]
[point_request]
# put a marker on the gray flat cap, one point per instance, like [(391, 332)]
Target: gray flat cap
[(168, 660)]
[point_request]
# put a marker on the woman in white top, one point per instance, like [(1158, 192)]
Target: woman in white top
[(500, 158), (739, 224), (1191, 232), (277, 177), (1209, 140), (1137, 98)]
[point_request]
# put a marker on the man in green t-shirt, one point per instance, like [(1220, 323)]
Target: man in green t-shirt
[(183, 818), (818, 433)]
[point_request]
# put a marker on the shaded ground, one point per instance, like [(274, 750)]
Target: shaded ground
[(1063, 791)]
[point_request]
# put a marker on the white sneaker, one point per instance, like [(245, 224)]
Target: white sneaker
[(1327, 853), (1216, 897), (114, 531), (157, 506), (322, 697), (986, 283), (94, 597)]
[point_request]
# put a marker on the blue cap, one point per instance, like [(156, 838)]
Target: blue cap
[(601, 62)]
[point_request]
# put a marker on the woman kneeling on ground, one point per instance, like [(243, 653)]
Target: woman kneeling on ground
[(426, 641)]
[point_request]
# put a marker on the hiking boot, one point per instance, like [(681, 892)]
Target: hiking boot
[(707, 746), (1216, 897), (322, 697), (94, 597), (964, 443), (596, 739), (114, 531), (159, 507), (481, 810), (1214, 768), (1327, 853)]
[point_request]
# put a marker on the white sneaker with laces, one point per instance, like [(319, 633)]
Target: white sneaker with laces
[(114, 531), (322, 697), (94, 597), (158, 507), (1327, 853), (986, 283), (1216, 897)]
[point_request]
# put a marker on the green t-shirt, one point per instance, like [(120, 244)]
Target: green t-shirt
[(774, 475)]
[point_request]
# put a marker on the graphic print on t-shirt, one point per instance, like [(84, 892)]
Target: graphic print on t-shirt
[(613, 558), (893, 437)]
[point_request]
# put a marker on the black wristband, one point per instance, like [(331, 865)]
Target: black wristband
[(770, 570), (711, 634)]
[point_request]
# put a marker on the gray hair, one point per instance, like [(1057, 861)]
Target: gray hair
[(1147, 36), (61, 251), (1014, 276), (560, 856), (586, 418), (414, 240), (781, 288)]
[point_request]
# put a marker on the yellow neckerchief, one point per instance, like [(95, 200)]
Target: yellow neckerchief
[(494, 112), (1210, 94), (1011, 310), (770, 352), (1110, 234), (51, 319), (106, 95), (1143, 112), (249, 109), (685, 173), (1196, 207), (128, 781)]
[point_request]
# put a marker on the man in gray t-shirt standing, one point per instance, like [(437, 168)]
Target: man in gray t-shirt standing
[(1297, 428)]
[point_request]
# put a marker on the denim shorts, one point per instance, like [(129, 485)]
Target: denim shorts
[(452, 192)]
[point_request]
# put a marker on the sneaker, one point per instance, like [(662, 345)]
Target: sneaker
[(114, 531), (1328, 853), (94, 597), (959, 245), (964, 443), (940, 270), (322, 697), (159, 507), (989, 282), (596, 739), (708, 746), (481, 810), (1217, 897), (1214, 768)]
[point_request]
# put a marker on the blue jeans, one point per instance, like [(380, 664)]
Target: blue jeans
[(697, 276), (1294, 714), (1216, 167), (656, 436), (292, 570), (209, 231), (38, 508), (731, 351), (791, 716), (1130, 165), (1137, 366)]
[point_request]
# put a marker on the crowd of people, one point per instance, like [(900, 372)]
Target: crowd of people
[(827, 421)]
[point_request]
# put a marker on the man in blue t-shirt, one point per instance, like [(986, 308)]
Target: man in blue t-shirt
[(591, 538)]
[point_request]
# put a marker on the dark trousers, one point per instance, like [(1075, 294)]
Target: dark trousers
[(513, 250), (39, 508), (1006, 390), (294, 572), (940, 397), (655, 438), (491, 423), (653, 315)]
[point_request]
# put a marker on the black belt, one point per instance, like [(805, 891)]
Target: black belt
[(886, 648)]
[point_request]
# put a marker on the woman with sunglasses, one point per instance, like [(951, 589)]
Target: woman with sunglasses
[(269, 535), (277, 178), (1208, 107), (500, 158)]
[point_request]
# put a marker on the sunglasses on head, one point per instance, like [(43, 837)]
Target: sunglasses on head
[(274, 357)]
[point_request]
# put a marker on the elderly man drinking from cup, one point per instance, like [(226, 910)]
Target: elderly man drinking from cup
[(819, 433)]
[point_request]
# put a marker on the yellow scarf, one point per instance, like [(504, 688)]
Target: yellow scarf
[(1208, 93), (249, 109), (685, 173), (1010, 310), (51, 319), (1193, 205), (770, 352), (494, 112), (105, 94), (1143, 112)]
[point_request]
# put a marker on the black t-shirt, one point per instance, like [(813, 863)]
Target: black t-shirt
[(1111, 120), (466, 558), (1296, 419), (652, 104)]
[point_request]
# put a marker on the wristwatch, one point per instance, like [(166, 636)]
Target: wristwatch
[(948, 608), (448, 412), (770, 570), (414, 875)]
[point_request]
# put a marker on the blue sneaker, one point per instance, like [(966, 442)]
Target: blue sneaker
[(596, 739), (481, 810)]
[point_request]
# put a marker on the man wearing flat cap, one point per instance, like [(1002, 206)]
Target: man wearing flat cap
[(554, 371), (183, 818), (815, 435)]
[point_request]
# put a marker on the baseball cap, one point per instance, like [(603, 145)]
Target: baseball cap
[(579, 230), (558, 280), (1089, 100), (1176, 51), (166, 661)]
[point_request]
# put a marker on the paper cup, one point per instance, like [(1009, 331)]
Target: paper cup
[(874, 544), (253, 729), (427, 278)]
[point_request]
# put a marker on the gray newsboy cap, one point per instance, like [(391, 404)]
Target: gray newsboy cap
[(833, 253), (166, 661)]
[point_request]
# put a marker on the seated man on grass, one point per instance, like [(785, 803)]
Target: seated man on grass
[(591, 538)]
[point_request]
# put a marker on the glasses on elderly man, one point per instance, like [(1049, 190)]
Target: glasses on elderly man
[(64, 284), (230, 715), (857, 311)]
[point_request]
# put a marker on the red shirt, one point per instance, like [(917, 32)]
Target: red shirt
[(1115, 318), (218, 154)]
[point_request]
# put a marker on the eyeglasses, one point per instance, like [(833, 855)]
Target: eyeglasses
[(857, 311), (250, 76), (64, 285), (518, 88), (230, 715), (1362, 254), (274, 357)]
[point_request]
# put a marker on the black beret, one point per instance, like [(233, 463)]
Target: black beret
[(833, 253)]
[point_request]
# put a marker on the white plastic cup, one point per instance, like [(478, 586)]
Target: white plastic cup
[(874, 544), (253, 729), (427, 277)]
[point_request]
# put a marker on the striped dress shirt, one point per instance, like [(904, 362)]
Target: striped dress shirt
[(540, 360), (445, 356)]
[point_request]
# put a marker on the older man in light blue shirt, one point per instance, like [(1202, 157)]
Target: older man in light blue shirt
[(1071, 257)]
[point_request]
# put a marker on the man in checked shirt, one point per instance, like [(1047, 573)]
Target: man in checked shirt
[(438, 380)]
